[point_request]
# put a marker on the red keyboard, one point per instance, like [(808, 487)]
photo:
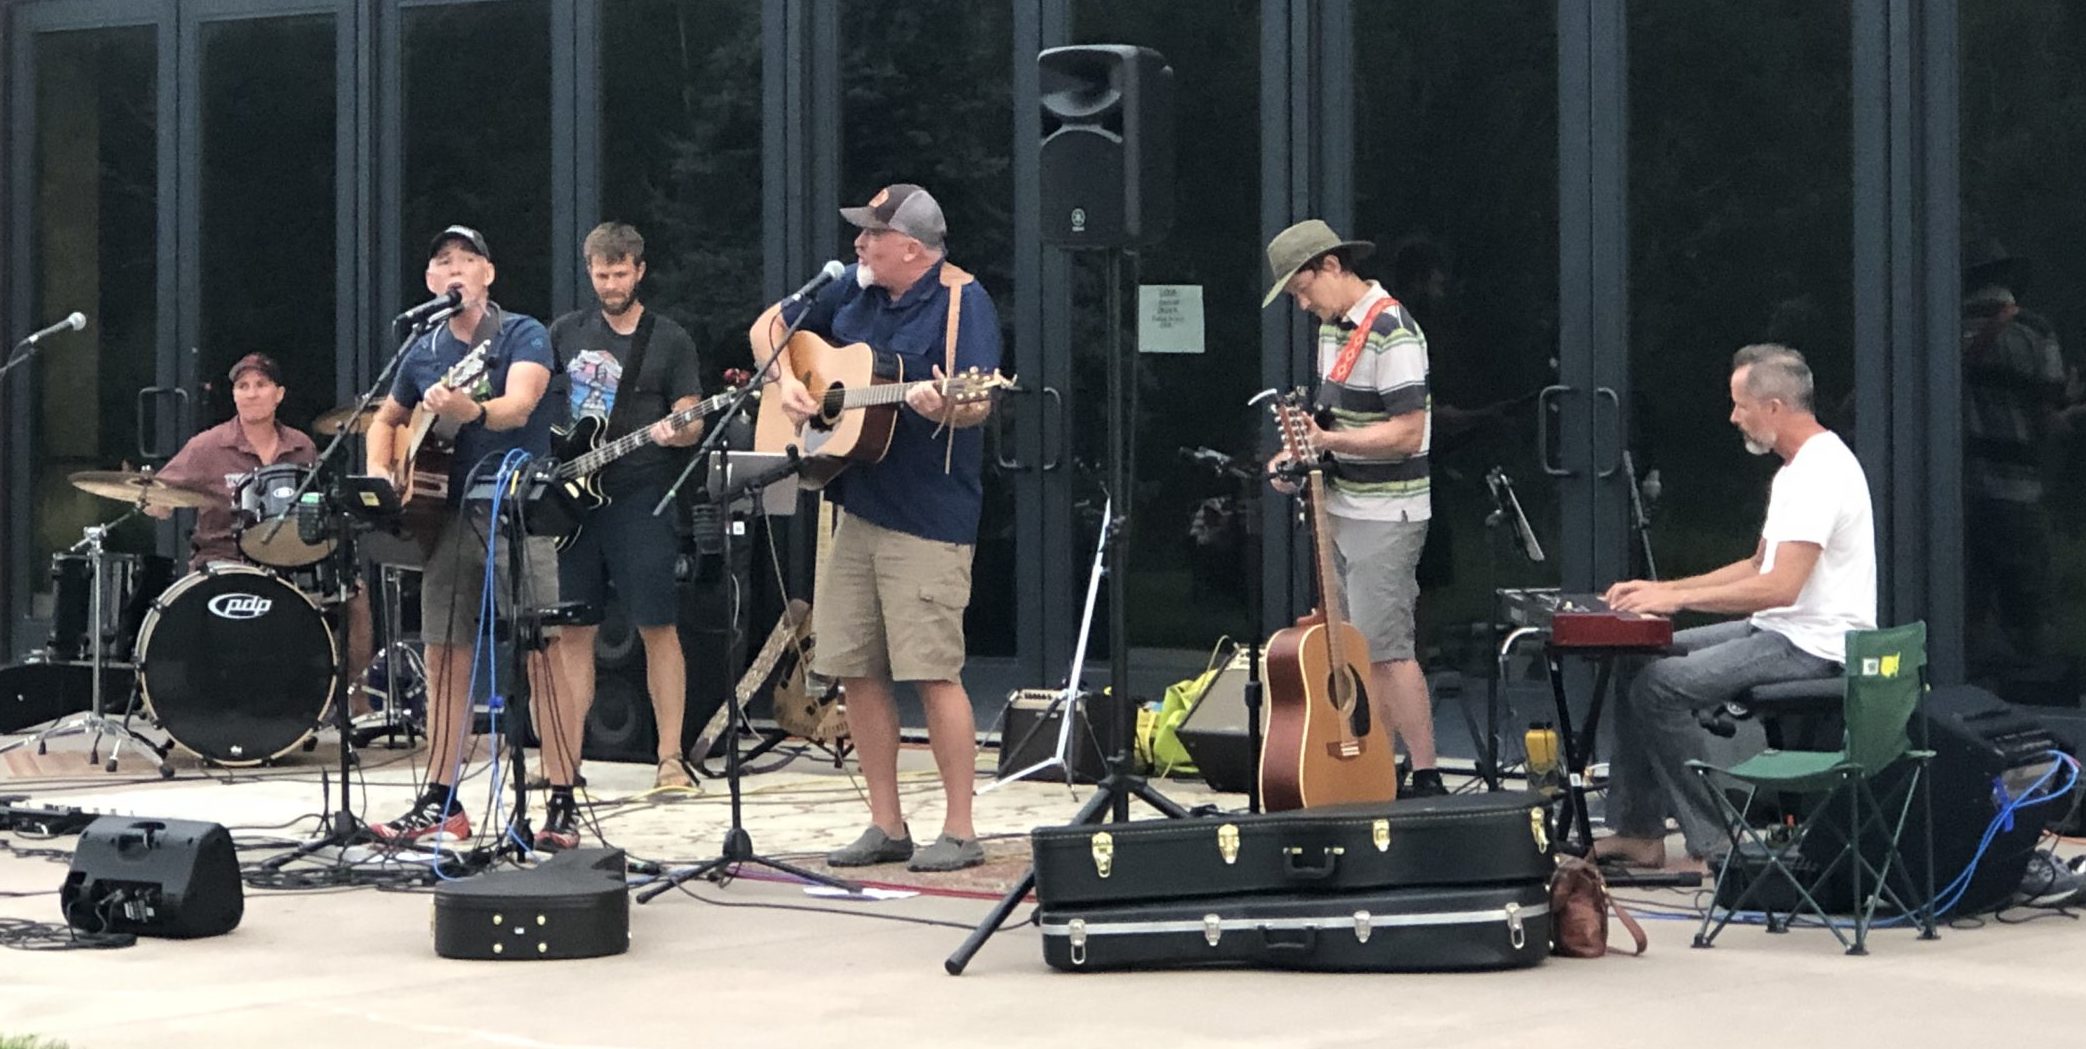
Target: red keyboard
[(1585, 621)]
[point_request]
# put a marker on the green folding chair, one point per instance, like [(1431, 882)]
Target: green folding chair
[(1885, 680)]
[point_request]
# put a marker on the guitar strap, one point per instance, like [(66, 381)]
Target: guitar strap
[(633, 378), (953, 279)]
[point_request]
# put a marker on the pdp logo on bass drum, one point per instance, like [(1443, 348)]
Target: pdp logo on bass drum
[(239, 606)]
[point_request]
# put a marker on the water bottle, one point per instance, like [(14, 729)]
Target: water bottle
[(1545, 772)]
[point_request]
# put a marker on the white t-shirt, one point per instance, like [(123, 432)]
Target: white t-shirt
[(1822, 497)]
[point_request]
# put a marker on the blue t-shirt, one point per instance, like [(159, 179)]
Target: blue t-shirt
[(521, 339), (909, 491)]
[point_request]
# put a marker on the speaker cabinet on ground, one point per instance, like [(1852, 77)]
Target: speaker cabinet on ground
[(620, 725), (1214, 732), (1107, 152), (150, 877)]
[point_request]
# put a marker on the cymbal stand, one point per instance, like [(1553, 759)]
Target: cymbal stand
[(96, 718)]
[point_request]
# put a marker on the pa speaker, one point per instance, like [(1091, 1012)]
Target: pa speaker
[(1107, 152), (620, 724), (173, 878)]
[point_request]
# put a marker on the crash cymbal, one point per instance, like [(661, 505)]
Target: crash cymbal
[(330, 423), (137, 489)]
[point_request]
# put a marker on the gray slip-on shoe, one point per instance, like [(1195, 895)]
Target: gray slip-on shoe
[(873, 847), (948, 854)]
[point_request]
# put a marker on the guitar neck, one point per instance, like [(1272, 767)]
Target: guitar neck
[(635, 439), (889, 393), (1329, 589)]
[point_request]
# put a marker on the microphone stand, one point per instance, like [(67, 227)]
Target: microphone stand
[(715, 439), (342, 826), (1640, 520), (22, 351)]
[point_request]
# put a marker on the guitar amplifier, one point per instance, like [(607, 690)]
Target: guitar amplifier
[(1029, 733)]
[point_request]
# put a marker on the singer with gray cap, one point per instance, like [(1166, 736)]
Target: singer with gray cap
[(898, 576)]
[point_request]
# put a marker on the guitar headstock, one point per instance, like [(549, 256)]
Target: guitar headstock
[(1292, 413), (974, 384), (465, 373)]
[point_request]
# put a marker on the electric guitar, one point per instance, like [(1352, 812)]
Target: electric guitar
[(1322, 746), (582, 452), (860, 392)]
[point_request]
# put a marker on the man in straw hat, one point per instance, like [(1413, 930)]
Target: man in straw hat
[(1372, 394)]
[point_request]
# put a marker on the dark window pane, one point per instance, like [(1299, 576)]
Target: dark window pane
[(267, 263), (925, 99), (477, 142), (1741, 231), (1185, 592), (681, 152), (2024, 330), (96, 193), (1456, 183)]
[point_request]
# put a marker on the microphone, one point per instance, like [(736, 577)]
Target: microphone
[(450, 301), (1205, 456), (76, 322), (831, 272), (1651, 489)]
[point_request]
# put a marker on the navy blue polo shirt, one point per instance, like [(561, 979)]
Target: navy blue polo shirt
[(909, 491), (521, 339)]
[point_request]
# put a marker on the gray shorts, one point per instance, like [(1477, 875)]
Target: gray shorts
[(1378, 563), (452, 582)]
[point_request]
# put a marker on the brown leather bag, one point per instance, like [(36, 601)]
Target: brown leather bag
[(1579, 907)]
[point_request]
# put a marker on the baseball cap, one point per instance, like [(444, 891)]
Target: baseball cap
[(471, 238), (259, 362), (903, 207)]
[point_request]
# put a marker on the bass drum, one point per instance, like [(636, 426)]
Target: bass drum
[(236, 665)]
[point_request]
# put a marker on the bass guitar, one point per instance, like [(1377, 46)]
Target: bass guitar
[(860, 392), (582, 451), (1322, 745)]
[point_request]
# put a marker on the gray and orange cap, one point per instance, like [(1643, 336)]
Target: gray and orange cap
[(470, 238), (906, 208)]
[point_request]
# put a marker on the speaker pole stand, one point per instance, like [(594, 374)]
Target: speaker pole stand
[(1115, 790)]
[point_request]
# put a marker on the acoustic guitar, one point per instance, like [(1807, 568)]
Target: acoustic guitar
[(860, 392), (423, 450), (1322, 746)]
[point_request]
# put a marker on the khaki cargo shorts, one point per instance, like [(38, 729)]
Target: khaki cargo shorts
[(452, 582), (890, 605)]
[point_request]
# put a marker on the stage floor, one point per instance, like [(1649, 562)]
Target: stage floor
[(759, 963)]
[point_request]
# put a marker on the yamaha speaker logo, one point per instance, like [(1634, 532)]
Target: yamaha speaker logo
[(240, 606)]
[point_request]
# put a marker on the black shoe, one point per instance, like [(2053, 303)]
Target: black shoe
[(1426, 783), (560, 825)]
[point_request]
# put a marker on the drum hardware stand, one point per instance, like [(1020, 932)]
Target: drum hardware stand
[(1507, 523), (1067, 701), (1112, 795), (96, 719), (738, 850), (396, 716)]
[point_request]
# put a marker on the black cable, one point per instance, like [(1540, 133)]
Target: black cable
[(901, 918)]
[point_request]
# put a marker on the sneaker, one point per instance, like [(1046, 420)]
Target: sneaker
[(1426, 783), (560, 825), (538, 781), (426, 820), (948, 854), (873, 847), (673, 775), (2048, 882)]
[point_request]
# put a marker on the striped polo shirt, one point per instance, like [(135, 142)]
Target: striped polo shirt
[(1390, 379)]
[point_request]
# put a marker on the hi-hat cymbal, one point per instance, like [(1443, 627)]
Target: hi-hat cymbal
[(330, 422), (137, 489)]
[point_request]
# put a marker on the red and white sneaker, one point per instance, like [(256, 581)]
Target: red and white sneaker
[(560, 826), (426, 820)]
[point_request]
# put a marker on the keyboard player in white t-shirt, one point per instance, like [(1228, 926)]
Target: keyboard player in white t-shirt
[(1811, 579)]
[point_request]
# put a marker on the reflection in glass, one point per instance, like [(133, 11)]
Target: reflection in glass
[(1740, 179), (1456, 183), (477, 142), (926, 99), (681, 110), (267, 261), (97, 198), (2023, 396), (1187, 581)]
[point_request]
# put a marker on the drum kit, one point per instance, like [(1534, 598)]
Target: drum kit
[(236, 663)]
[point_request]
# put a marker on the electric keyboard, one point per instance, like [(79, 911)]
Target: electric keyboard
[(1584, 620)]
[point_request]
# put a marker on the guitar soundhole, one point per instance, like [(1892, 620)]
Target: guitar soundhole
[(1343, 684), (828, 408)]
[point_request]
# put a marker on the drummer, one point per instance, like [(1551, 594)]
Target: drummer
[(218, 459)]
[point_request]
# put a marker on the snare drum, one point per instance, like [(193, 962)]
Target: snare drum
[(263, 498), (236, 664)]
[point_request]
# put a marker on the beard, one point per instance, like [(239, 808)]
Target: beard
[(864, 276), (618, 307), (1754, 445)]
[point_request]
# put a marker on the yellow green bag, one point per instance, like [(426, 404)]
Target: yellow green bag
[(1158, 740)]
